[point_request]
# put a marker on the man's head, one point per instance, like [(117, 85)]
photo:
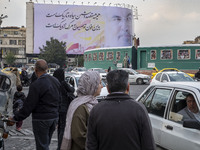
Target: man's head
[(117, 81), (40, 67), (19, 88), (118, 29), (191, 104)]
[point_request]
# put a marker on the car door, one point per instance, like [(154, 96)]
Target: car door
[(173, 135), (132, 76), (156, 103)]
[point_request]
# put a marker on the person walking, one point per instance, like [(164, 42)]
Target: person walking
[(197, 74), (67, 96), (89, 87), (16, 72), (119, 122), (109, 69), (24, 77), (43, 102), (19, 98)]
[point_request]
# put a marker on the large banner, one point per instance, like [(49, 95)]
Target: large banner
[(82, 27)]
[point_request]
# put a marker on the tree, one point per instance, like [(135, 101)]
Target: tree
[(54, 52), (79, 60), (10, 58)]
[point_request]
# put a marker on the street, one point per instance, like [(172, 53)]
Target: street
[(24, 140)]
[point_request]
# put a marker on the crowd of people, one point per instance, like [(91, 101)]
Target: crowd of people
[(82, 123)]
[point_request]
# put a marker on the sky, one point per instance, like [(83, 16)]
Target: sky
[(160, 22)]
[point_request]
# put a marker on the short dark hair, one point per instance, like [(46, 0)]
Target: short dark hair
[(117, 80), (19, 88), (41, 65), (189, 95)]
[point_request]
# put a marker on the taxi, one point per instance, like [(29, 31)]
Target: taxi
[(166, 70), (9, 69)]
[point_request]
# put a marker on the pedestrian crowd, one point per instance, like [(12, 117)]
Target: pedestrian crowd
[(116, 123)]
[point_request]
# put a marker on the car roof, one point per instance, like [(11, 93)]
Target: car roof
[(169, 69), (125, 69), (96, 68), (192, 84), (173, 72), (73, 75)]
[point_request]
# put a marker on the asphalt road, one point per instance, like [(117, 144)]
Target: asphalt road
[(25, 140)]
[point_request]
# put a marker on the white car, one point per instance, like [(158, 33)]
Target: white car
[(163, 101), (79, 70), (101, 71), (50, 71), (73, 79), (172, 76), (135, 77)]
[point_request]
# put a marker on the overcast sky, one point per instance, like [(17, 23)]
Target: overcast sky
[(161, 22)]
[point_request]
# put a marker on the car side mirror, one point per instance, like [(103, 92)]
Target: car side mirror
[(191, 123), (5, 83)]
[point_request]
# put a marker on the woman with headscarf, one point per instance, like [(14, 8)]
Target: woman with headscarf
[(67, 96), (89, 87)]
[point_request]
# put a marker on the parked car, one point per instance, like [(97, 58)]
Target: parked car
[(166, 70), (101, 71), (73, 80), (163, 102), (50, 71), (79, 70), (173, 76), (135, 77), (7, 89)]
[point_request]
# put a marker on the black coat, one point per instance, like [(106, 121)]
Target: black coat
[(119, 123), (18, 101), (67, 96), (43, 99)]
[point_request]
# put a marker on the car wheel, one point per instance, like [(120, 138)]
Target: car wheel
[(139, 81)]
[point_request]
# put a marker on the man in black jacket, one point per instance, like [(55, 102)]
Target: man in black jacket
[(119, 122), (43, 102)]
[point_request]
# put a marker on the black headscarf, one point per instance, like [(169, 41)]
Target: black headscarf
[(59, 74)]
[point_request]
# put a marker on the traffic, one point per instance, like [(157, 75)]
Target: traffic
[(165, 96)]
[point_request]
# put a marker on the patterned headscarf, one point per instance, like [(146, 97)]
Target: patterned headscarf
[(87, 86)]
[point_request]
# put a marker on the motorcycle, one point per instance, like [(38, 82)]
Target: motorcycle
[(7, 89)]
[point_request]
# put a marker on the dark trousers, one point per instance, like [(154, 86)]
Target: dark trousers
[(43, 131), (61, 127), (19, 124)]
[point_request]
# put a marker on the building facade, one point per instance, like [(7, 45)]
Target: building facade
[(13, 40)]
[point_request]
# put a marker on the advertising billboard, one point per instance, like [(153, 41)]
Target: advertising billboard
[(82, 27)]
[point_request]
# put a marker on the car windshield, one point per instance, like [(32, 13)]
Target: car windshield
[(135, 72), (81, 69), (77, 79), (179, 77), (100, 70), (167, 70)]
